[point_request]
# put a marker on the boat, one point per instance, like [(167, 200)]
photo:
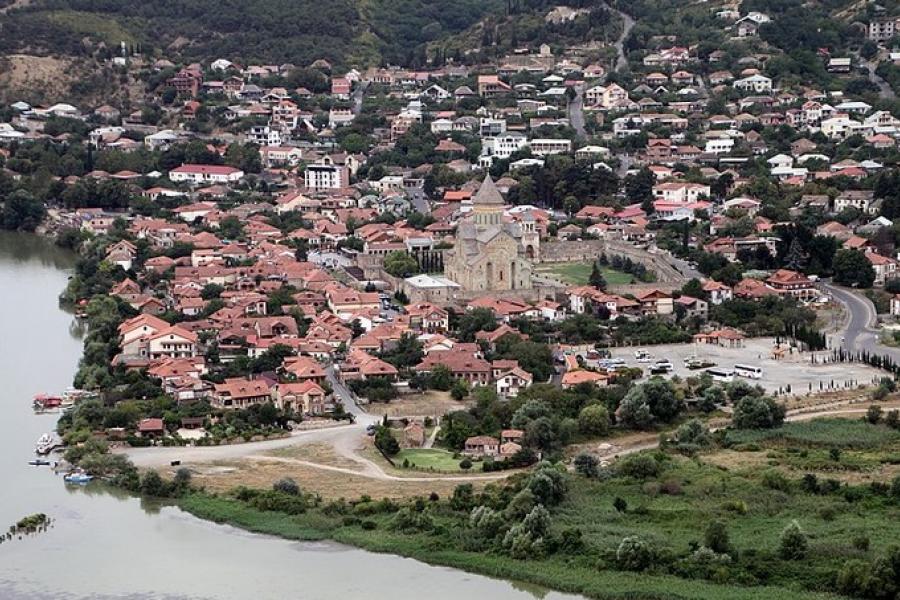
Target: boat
[(77, 477), (47, 401), (39, 462), (46, 444)]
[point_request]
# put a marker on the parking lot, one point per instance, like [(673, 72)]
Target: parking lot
[(793, 372)]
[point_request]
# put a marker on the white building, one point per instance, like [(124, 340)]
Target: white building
[(326, 175), (206, 174)]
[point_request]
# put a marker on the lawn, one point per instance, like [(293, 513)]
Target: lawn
[(578, 273), (429, 459)]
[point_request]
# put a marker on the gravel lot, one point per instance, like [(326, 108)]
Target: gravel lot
[(795, 370)]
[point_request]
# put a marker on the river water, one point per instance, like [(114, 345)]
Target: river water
[(104, 544)]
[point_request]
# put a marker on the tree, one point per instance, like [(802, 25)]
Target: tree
[(386, 442), (793, 544), (639, 186), (21, 210), (465, 464), (634, 411), (757, 412), (596, 279), (587, 465), (459, 390), (851, 267), (594, 420), (400, 264), (716, 537)]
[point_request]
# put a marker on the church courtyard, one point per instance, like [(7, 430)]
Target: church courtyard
[(578, 273)]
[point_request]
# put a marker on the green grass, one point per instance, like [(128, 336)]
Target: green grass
[(843, 433), (671, 511), (428, 459), (574, 574), (578, 273), (99, 26)]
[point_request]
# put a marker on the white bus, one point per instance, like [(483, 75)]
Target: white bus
[(748, 371), (721, 375)]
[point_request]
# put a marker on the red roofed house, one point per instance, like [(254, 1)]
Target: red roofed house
[(306, 397), (482, 445), (792, 283), (237, 392)]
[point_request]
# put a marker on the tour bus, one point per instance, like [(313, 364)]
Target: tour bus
[(722, 375), (749, 371)]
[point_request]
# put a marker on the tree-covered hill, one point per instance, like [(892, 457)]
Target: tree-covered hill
[(344, 32)]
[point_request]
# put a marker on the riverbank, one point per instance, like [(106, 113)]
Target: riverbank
[(575, 575)]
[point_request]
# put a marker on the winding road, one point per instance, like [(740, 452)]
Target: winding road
[(619, 44), (858, 332)]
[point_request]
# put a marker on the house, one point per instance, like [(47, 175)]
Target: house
[(727, 338), (172, 342), (151, 428), (197, 174), (305, 397), (238, 392), (491, 85), (794, 284), (414, 435), (757, 84), (572, 379), (885, 268), (481, 446), (510, 383), (717, 292), (861, 200)]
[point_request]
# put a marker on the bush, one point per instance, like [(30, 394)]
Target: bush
[(775, 480), (287, 485), (861, 542), (620, 504), (716, 537), (639, 466), (792, 544), (594, 420), (587, 465), (873, 414), (757, 412), (634, 554)]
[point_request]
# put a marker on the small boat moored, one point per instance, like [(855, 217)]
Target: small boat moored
[(77, 477)]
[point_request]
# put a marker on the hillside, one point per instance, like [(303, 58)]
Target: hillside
[(344, 32)]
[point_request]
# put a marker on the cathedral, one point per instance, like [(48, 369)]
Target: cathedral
[(490, 255)]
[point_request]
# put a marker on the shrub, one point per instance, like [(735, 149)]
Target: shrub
[(634, 554), (716, 537), (639, 466), (286, 485), (873, 414), (736, 506), (775, 480), (587, 465), (861, 542), (793, 544), (594, 420), (620, 504), (757, 412), (465, 464), (671, 487)]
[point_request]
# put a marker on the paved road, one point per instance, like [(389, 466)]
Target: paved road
[(619, 44), (357, 97), (884, 89), (575, 112), (858, 333)]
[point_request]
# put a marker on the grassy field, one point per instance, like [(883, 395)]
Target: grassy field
[(570, 574), (756, 493), (429, 458), (578, 273)]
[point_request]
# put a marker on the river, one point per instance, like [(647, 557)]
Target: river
[(106, 545)]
